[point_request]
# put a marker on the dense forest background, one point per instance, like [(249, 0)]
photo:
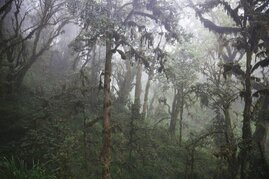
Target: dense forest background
[(134, 89)]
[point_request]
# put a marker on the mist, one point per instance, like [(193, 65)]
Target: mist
[(134, 89)]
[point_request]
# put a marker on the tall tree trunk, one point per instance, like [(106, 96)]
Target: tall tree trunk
[(135, 108), (138, 89), (151, 103), (246, 130), (94, 67), (106, 150), (259, 165), (174, 113), (95, 78), (231, 143), (125, 85), (15, 79), (85, 146), (192, 175), (181, 116), (145, 105)]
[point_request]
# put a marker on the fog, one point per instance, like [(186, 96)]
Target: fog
[(134, 89)]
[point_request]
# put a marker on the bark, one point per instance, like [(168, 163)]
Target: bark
[(246, 130), (151, 104), (192, 176), (231, 143), (229, 131), (145, 105), (94, 67), (125, 86), (95, 79), (5, 8), (14, 79), (135, 109), (21, 74), (181, 116), (138, 89), (259, 166), (189, 165), (174, 113), (106, 150), (85, 146)]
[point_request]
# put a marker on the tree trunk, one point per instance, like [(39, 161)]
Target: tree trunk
[(246, 130), (94, 67), (192, 176), (136, 105), (231, 143), (85, 146), (181, 117), (174, 113), (145, 105), (125, 86), (106, 150), (14, 79), (151, 104), (95, 78), (135, 109), (21, 74), (259, 166)]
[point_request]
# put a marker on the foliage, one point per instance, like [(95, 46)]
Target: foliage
[(12, 168)]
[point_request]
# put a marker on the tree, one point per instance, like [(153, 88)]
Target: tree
[(182, 73), (219, 94), (34, 30), (160, 56), (250, 29), (147, 88), (138, 90), (115, 24), (125, 82)]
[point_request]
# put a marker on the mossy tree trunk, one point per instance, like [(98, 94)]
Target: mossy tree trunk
[(145, 105), (138, 90), (174, 113), (181, 115), (135, 116), (106, 149), (125, 84), (231, 143), (246, 130), (258, 164)]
